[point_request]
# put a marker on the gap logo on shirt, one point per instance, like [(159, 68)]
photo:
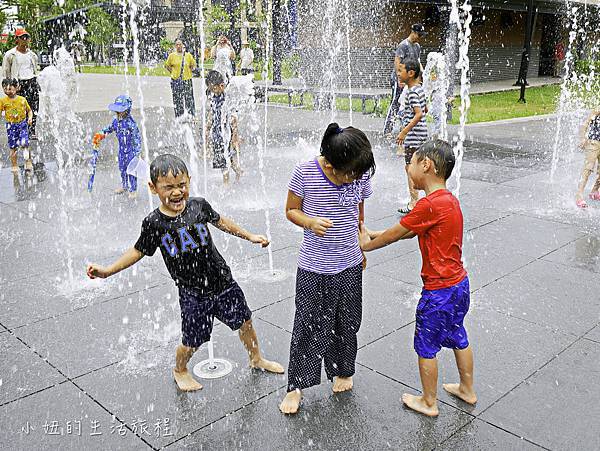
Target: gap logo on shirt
[(185, 239)]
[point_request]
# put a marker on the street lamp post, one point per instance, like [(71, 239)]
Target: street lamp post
[(524, 68)]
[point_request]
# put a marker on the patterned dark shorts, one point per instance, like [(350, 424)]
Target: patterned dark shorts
[(198, 313)]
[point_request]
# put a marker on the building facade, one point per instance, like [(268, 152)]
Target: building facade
[(375, 29)]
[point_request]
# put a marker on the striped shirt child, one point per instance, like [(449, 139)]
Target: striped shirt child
[(339, 248), (418, 134)]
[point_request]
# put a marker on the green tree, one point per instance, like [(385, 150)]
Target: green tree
[(217, 22), (101, 31)]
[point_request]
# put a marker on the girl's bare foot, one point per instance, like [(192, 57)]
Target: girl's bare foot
[(291, 402), (267, 365), (417, 404), (341, 384), (456, 390), (133, 194), (119, 190), (185, 381)]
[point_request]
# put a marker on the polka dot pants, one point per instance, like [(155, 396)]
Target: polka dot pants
[(328, 316)]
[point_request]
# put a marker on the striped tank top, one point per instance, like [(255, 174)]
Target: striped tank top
[(339, 248), (418, 134)]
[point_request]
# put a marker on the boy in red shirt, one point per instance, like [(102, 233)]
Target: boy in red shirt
[(437, 221)]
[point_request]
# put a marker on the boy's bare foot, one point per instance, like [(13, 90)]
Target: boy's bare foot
[(417, 404), (291, 402), (133, 194), (185, 381), (341, 384), (119, 190), (267, 365), (456, 390)]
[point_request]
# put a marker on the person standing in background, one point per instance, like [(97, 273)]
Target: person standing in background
[(21, 64), (407, 49), (180, 65), (246, 59)]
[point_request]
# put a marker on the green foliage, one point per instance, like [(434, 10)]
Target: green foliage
[(484, 107), (217, 22), (102, 28), (586, 67), (290, 66), (166, 45)]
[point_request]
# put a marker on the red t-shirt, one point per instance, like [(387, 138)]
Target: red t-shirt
[(438, 222)]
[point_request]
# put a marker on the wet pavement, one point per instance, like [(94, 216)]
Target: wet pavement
[(87, 364)]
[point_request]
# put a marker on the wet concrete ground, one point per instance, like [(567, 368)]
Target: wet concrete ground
[(87, 364)]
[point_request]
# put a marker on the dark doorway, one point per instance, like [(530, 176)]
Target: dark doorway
[(550, 37)]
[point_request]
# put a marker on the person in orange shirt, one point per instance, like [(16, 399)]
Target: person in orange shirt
[(18, 116)]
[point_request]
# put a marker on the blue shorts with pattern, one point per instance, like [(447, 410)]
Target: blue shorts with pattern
[(440, 315), (198, 312), (18, 134)]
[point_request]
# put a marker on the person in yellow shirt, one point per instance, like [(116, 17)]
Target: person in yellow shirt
[(180, 65), (18, 116)]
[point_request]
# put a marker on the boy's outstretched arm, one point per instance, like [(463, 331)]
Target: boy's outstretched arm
[(129, 258), (389, 236), (228, 226)]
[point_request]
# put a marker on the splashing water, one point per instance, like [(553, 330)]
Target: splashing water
[(56, 114), (565, 100), (435, 85), (332, 41), (347, 19), (203, 95), (133, 12), (262, 143), (464, 38), (124, 38)]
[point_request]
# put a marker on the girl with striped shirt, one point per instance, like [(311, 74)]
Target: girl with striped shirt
[(326, 198)]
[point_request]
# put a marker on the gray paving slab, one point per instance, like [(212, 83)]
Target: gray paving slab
[(584, 253), (548, 294), (479, 435), (387, 305), (63, 418), (594, 334), (366, 418), (533, 237), (263, 287), (22, 372), (483, 267), (114, 329), (491, 173), (547, 408), (53, 293), (145, 383), (507, 350)]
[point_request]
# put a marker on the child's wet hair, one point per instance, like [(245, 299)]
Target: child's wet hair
[(414, 65), (10, 82), (214, 78), (164, 164), (348, 150), (442, 155)]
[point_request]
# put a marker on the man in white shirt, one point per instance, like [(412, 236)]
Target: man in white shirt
[(247, 59), (21, 63)]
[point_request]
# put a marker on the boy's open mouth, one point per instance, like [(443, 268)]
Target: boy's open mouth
[(176, 203)]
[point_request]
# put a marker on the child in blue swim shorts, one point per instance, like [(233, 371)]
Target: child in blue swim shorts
[(18, 116), (438, 222)]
